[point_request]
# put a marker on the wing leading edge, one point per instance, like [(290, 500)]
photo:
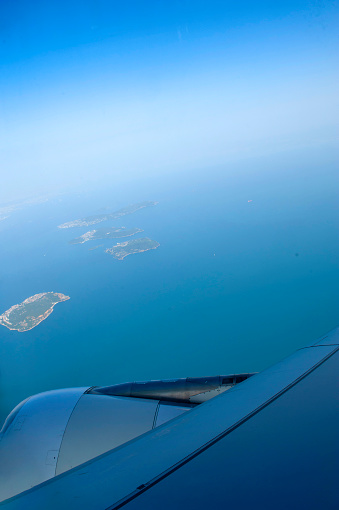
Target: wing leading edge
[(269, 442)]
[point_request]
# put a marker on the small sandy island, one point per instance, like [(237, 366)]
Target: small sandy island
[(28, 314)]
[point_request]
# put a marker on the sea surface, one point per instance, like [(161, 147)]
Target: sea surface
[(245, 274)]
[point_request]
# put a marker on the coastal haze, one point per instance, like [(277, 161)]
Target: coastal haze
[(172, 174)]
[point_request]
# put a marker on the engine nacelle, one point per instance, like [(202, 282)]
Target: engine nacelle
[(55, 431)]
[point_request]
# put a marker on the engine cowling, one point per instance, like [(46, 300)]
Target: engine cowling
[(55, 431)]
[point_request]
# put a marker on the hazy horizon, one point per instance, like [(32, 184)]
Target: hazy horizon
[(101, 91)]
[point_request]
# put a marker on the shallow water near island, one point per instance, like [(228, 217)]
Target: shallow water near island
[(245, 274)]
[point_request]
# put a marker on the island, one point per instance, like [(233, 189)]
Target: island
[(121, 250), (93, 220), (95, 247), (28, 314), (105, 233)]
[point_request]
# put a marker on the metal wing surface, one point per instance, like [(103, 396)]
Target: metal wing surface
[(269, 442)]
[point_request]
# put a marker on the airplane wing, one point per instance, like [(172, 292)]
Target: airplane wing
[(269, 442)]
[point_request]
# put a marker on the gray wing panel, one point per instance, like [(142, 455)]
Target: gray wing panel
[(285, 456), (150, 470)]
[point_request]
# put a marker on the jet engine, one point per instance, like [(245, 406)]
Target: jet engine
[(52, 432)]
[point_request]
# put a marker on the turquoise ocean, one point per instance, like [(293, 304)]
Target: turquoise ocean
[(245, 274)]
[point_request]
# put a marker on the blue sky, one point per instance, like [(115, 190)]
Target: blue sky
[(100, 90)]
